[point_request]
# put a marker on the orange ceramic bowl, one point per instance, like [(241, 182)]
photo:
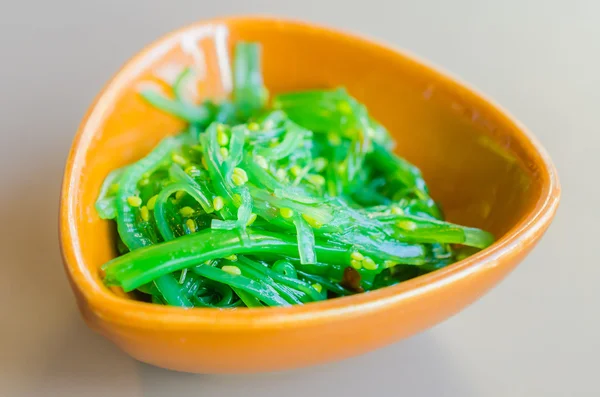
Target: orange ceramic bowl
[(483, 166)]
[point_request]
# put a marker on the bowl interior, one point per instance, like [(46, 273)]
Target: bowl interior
[(477, 163)]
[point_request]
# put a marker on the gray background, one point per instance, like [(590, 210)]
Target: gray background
[(537, 334)]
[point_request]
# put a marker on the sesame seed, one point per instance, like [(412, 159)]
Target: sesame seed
[(145, 214), (232, 258), (286, 212), (191, 224), (144, 182), (224, 152), (251, 219), (334, 139), (114, 188), (318, 287), (233, 270), (204, 163), (186, 211), (179, 194), (269, 124), (134, 201), (316, 179), (356, 264), (192, 171), (281, 174), (406, 225), (152, 202), (237, 180), (178, 159), (397, 211), (222, 138), (239, 176), (357, 255), (344, 107), (261, 161), (295, 170), (387, 264), (253, 126), (320, 163), (312, 221), (218, 203), (369, 264)]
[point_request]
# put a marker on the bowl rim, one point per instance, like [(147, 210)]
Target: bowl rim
[(137, 314)]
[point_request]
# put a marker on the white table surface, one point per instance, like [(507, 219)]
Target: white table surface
[(536, 334)]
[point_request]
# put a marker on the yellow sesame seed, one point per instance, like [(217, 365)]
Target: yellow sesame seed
[(387, 264), (186, 211), (341, 167), (261, 161), (356, 264), (144, 213), (234, 270), (152, 202), (232, 258), (144, 182), (296, 170), (222, 137), (369, 264), (204, 163), (179, 194), (191, 224), (269, 124), (344, 107), (218, 203), (134, 201), (198, 148), (397, 211), (406, 225), (251, 219), (357, 255), (237, 180), (178, 159), (318, 287), (286, 212), (253, 126), (334, 139), (114, 188), (224, 152), (192, 171), (316, 179), (281, 174), (312, 221), (319, 164), (239, 176)]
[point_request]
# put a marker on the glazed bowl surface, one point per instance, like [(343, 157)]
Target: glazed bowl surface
[(484, 168)]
